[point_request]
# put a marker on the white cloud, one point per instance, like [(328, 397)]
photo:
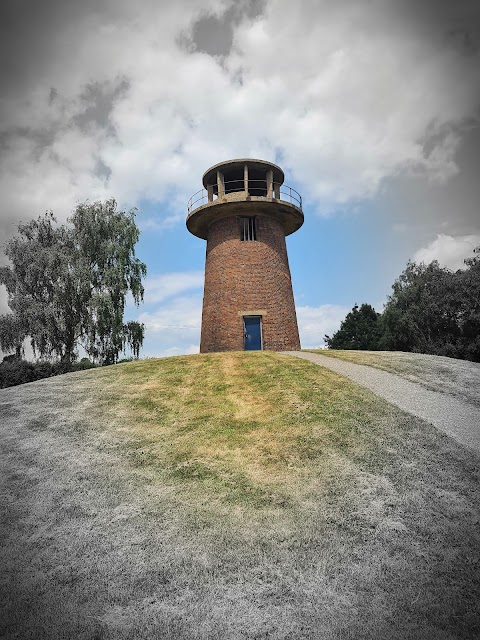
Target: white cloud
[(174, 351), (158, 225), (448, 250), (352, 99), (315, 322), (174, 328), (161, 287)]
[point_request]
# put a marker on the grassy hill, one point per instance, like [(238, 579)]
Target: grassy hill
[(231, 496)]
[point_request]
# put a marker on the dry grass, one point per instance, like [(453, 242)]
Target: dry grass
[(458, 378), (231, 496)]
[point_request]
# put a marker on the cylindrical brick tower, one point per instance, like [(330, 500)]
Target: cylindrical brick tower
[(244, 214)]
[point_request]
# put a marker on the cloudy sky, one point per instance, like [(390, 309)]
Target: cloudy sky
[(371, 108)]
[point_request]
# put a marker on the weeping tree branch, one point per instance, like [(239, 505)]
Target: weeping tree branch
[(67, 284)]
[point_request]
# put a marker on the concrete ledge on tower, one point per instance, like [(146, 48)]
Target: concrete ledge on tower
[(238, 187)]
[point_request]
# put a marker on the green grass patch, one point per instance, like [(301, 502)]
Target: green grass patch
[(269, 424)]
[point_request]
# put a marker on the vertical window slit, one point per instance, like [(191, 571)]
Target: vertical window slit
[(248, 231)]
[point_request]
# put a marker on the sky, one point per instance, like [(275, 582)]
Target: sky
[(371, 108)]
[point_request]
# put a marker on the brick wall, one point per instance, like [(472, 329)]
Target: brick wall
[(247, 277)]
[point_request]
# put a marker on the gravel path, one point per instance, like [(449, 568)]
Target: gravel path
[(458, 419)]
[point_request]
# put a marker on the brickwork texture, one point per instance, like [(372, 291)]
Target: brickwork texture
[(244, 277)]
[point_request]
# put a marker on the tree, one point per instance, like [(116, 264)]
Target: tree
[(468, 317), (12, 334), (434, 310), (359, 330), (422, 312), (106, 238), (67, 285), (37, 264)]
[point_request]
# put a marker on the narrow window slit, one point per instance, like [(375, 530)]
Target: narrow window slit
[(248, 229)]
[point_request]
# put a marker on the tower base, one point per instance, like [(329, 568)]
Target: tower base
[(245, 280)]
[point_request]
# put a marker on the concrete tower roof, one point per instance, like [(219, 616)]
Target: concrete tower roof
[(210, 175)]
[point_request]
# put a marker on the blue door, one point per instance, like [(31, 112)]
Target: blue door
[(253, 333)]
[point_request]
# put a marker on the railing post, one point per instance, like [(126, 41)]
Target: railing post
[(245, 179), (220, 184), (269, 183)]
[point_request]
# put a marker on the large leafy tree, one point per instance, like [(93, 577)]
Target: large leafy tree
[(359, 330), (435, 310), (37, 255), (422, 313), (469, 316), (67, 285), (105, 240)]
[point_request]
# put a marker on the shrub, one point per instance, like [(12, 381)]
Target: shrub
[(84, 363), (15, 371)]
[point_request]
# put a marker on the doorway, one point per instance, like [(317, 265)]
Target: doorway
[(253, 333)]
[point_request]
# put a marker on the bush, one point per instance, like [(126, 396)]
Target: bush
[(83, 364), (15, 371)]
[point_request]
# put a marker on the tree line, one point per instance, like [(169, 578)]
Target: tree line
[(67, 286), (431, 310)]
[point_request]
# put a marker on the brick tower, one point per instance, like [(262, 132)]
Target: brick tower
[(244, 214)]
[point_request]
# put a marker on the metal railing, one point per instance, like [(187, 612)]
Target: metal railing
[(257, 188)]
